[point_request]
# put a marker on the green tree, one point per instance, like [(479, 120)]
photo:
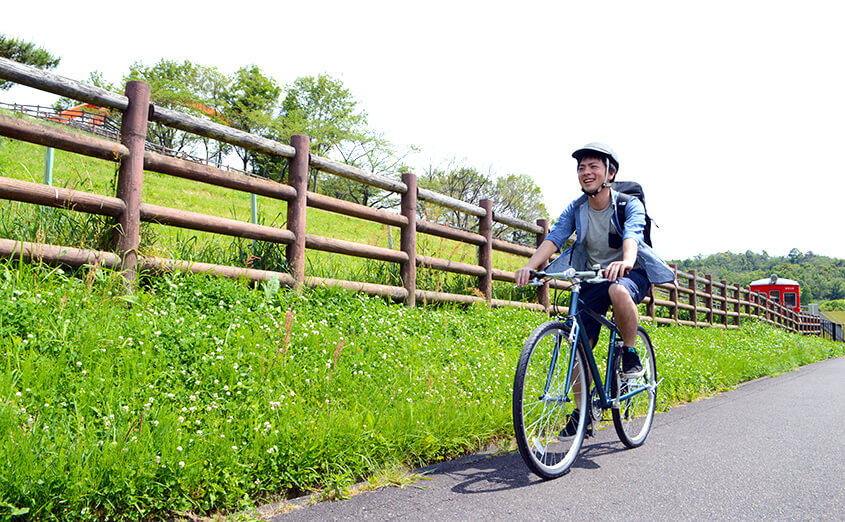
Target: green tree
[(248, 104), (184, 86), (795, 256), (326, 111), (371, 152), (457, 181), (27, 53), (517, 195)]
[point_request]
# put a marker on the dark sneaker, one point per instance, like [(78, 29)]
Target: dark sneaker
[(568, 432), (632, 368)]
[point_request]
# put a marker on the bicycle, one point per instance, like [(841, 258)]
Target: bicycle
[(550, 385)]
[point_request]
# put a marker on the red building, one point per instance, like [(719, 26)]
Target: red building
[(787, 292)]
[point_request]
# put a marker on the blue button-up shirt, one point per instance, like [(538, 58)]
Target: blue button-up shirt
[(576, 217)]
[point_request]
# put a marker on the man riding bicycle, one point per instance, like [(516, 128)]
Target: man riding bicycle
[(631, 266)]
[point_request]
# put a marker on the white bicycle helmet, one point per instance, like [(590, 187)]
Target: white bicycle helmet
[(603, 151)]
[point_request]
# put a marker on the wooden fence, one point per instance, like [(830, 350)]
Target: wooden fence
[(693, 301)]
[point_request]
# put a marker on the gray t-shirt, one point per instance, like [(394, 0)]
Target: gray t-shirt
[(599, 251)]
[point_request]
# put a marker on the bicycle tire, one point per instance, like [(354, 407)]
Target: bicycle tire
[(539, 416), (633, 418)]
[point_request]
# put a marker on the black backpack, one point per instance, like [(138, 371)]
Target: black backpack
[(627, 190)]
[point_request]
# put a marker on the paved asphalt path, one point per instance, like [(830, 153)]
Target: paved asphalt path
[(773, 448)]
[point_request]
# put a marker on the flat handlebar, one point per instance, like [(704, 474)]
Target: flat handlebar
[(570, 274)]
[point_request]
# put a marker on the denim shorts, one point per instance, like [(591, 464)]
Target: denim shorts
[(596, 297)]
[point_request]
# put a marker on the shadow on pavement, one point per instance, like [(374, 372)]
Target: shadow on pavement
[(491, 473)]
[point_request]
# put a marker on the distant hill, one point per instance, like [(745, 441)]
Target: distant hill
[(822, 278)]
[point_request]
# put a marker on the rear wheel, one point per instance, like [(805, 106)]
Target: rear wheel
[(545, 402), (633, 416)]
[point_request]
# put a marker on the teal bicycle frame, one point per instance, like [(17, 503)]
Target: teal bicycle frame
[(578, 332)]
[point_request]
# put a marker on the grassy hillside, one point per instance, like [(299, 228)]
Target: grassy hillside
[(24, 161), (209, 395), (204, 394), (836, 316)]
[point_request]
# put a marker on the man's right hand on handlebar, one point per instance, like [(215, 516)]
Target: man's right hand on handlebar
[(523, 276)]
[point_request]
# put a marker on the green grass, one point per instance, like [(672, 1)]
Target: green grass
[(209, 395), (837, 316)]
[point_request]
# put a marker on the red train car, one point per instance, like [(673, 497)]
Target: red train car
[(787, 292)]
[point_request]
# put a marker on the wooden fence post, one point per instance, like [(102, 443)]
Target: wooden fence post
[(485, 251), (298, 179), (754, 307), (408, 239), (693, 297), (770, 317), (708, 299), (543, 291), (724, 306), (738, 306), (130, 180)]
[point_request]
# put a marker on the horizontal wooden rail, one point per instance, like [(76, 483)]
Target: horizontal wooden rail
[(355, 174), (217, 225), (50, 136), (210, 129), (512, 248), (517, 223), (55, 254), (503, 275), (395, 293), (445, 232), (339, 246), (213, 176), (355, 210), (450, 202), (158, 264), (51, 82), (40, 194), (449, 266)]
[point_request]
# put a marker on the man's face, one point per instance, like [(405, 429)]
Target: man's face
[(592, 172)]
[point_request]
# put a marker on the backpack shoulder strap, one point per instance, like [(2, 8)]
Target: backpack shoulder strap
[(622, 200)]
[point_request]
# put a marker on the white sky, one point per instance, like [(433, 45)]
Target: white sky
[(729, 113)]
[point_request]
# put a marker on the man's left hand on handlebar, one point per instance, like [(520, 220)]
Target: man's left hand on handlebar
[(617, 269)]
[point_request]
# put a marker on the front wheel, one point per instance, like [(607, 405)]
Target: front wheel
[(550, 401), (633, 416)]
